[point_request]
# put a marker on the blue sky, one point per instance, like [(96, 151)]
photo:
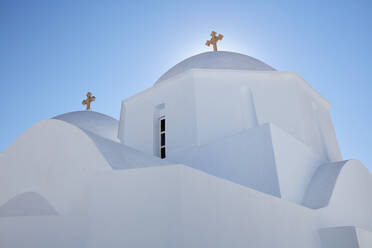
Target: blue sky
[(53, 52)]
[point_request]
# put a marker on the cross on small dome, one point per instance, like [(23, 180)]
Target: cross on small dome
[(89, 99)]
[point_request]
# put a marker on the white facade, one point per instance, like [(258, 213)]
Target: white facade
[(271, 125), (252, 160)]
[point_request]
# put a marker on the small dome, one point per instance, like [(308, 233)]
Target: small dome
[(217, 60), (97, 123)]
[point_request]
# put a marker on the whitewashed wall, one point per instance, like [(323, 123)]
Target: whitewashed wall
[(140, 113), (246, 158), (203, 105), (52, 158), (177, 206), (207, 109)]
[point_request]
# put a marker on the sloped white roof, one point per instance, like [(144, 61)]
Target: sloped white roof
[(120, 156), (102, 131), (217, 60)]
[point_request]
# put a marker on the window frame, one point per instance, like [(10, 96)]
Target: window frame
[(162, 141)]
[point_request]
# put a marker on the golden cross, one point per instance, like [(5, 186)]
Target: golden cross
[(89, 99), (214, 40)]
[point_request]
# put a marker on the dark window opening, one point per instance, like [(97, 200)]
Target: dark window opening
[(162, 152), (162, 139), (162, 125)]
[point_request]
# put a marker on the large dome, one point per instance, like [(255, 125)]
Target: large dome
[(217, 60)]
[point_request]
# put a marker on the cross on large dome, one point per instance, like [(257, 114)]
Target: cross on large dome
[(217, 60)]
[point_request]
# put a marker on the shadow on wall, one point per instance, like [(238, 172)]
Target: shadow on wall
[(27, 204)]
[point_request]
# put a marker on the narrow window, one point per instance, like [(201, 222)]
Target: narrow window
[(162, 137), (162, 124), (162, 152)]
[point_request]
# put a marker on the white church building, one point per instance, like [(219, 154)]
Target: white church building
[(222, 151)]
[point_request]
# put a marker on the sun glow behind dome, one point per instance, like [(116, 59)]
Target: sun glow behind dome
[(217, 60)]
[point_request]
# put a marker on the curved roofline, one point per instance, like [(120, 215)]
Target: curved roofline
[(220, 60), (27, 204), (60, 116), (328, 178), (98, 123)]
